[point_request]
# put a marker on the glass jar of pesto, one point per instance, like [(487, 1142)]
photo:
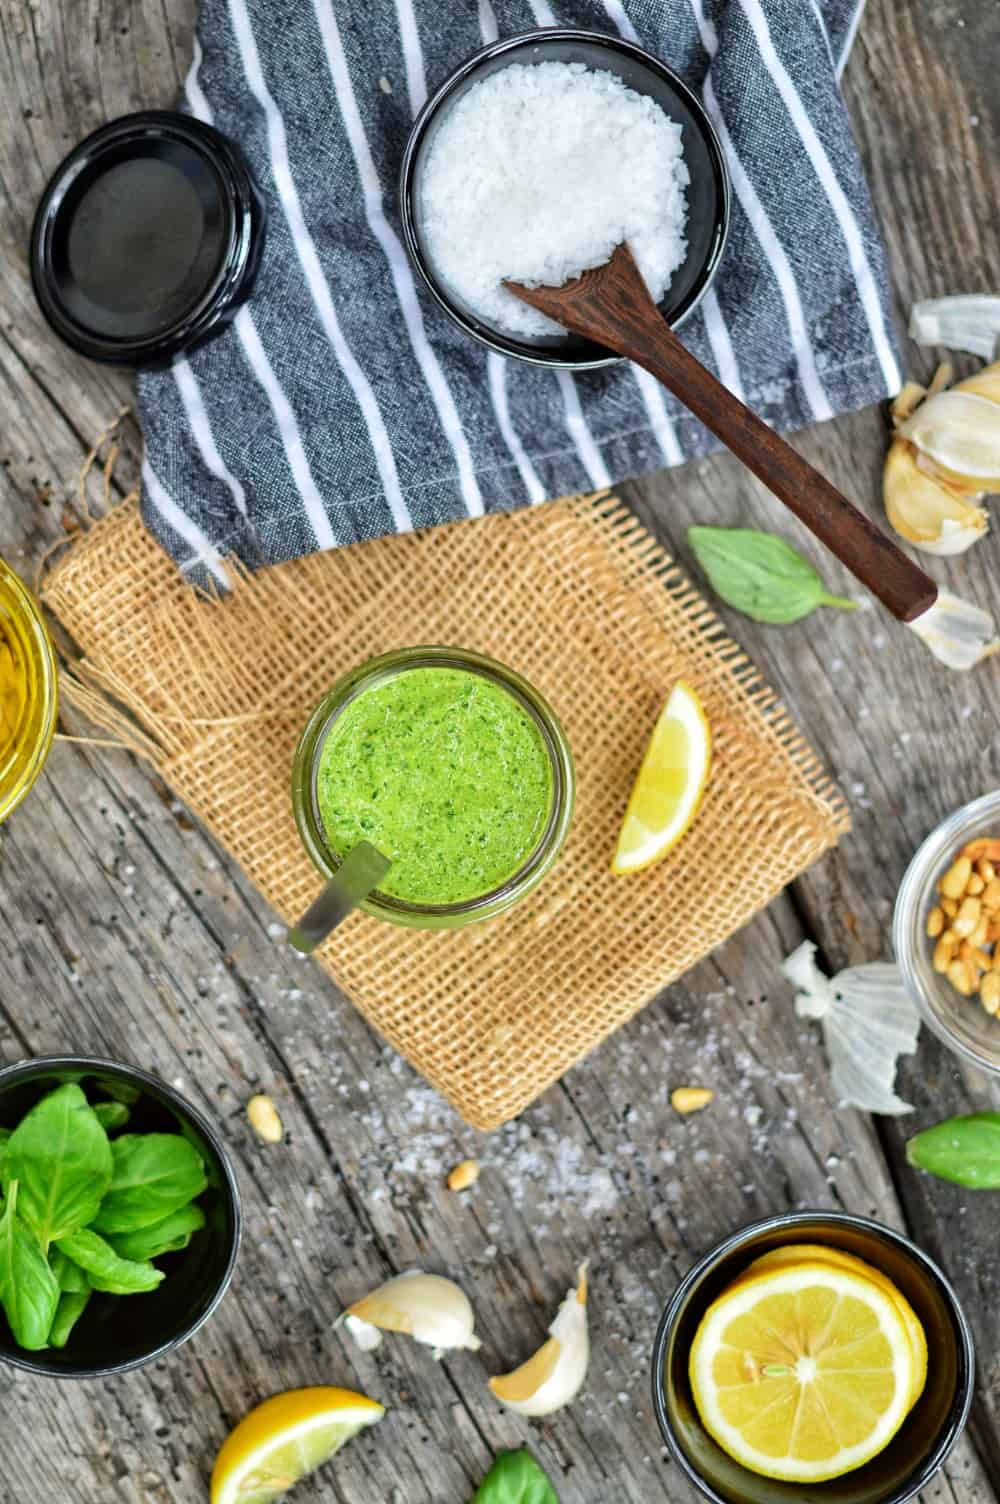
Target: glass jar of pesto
[(449, 763), (28, 690)]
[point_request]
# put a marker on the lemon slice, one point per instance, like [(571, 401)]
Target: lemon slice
[(792, 1254), (671, 781), (284, 1439), (803, 1373)]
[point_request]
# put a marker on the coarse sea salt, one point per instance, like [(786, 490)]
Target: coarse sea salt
[(536, 174)]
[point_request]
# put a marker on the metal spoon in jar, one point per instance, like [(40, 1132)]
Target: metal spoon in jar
[(359, 874)]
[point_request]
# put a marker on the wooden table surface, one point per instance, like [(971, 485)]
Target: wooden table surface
[(127, 933)]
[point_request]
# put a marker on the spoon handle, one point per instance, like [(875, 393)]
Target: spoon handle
[(360, 873), (863, 548), (611, 305)]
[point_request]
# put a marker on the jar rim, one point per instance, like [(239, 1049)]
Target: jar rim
[(347, 689), (240, 238)]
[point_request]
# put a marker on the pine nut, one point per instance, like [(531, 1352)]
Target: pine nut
[(264, 1119), (991, 894), (954, 881), (961, 977), (967, 918), (463, 1175), (935, 923), (989, 992), (690, 1098), (944, 953), (975, 885), (949, 907), (986, 870)]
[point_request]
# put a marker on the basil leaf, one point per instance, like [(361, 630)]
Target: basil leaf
[(68, 1312), (154, 1174), (964, 1149), (122, 1091), (69, 1276), (760, 574), (111, 1115), (169, 1236), (515, 1478), (61, 1159), (29, 1293), (105, 1270)]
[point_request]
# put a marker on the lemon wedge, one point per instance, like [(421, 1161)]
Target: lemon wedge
[(670, 785), (285, 1439), (792, 1254), (803, 1373)]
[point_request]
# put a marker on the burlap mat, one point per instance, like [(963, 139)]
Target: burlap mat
[(577, 596)]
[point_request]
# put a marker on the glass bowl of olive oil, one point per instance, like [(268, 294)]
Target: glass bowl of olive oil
[(28, 690)]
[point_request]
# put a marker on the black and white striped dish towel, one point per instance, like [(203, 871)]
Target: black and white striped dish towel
[(342, 404)]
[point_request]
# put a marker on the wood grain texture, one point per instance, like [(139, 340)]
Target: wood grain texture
[(125, 931)]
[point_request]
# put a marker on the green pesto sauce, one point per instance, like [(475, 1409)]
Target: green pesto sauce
[(443, 771)]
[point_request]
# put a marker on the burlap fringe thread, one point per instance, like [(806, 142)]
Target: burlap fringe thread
[(576, 594)]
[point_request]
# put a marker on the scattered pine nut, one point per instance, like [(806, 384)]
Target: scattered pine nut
[(264, 1119), (463, 1175), (935, 923), (690, 1098)]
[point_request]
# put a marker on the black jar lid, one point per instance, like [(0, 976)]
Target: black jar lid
[(147, 239)]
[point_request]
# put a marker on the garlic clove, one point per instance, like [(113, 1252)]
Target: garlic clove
[(960, 431), (426, 1307), (960, 635), (554, 1375), (985, 383), (910, 396), (923, 510)]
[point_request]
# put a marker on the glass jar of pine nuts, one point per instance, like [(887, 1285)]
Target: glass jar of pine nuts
[(958, 1009), (28, 690)]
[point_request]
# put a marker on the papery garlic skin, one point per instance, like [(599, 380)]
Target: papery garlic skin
[(925, 511), (960, 431), (430, 1309), (868, 1021), (960, 635), (966, 322), (560, 1364)]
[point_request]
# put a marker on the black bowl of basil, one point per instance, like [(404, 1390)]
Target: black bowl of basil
[(119, 1217)]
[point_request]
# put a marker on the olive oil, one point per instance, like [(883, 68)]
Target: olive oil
[(27, 690)]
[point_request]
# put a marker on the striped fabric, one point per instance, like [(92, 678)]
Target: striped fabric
[(343, 405)]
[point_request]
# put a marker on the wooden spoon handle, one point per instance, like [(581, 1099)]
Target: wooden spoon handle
[(610, 304), (867, 552)]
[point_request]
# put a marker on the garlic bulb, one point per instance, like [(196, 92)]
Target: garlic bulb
[(960, 431), (970, 322), (960, 635), (555, 1374), (426, 1307), (926, 511), (944, 458), (868, 1020)]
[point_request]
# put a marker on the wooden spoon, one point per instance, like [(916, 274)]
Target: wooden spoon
[(611, 305)]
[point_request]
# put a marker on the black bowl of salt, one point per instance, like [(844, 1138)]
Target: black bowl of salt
[(147, 239), (472, 190)]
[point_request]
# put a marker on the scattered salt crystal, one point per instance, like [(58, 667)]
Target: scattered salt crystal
[(275, 931), (539, 172)]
